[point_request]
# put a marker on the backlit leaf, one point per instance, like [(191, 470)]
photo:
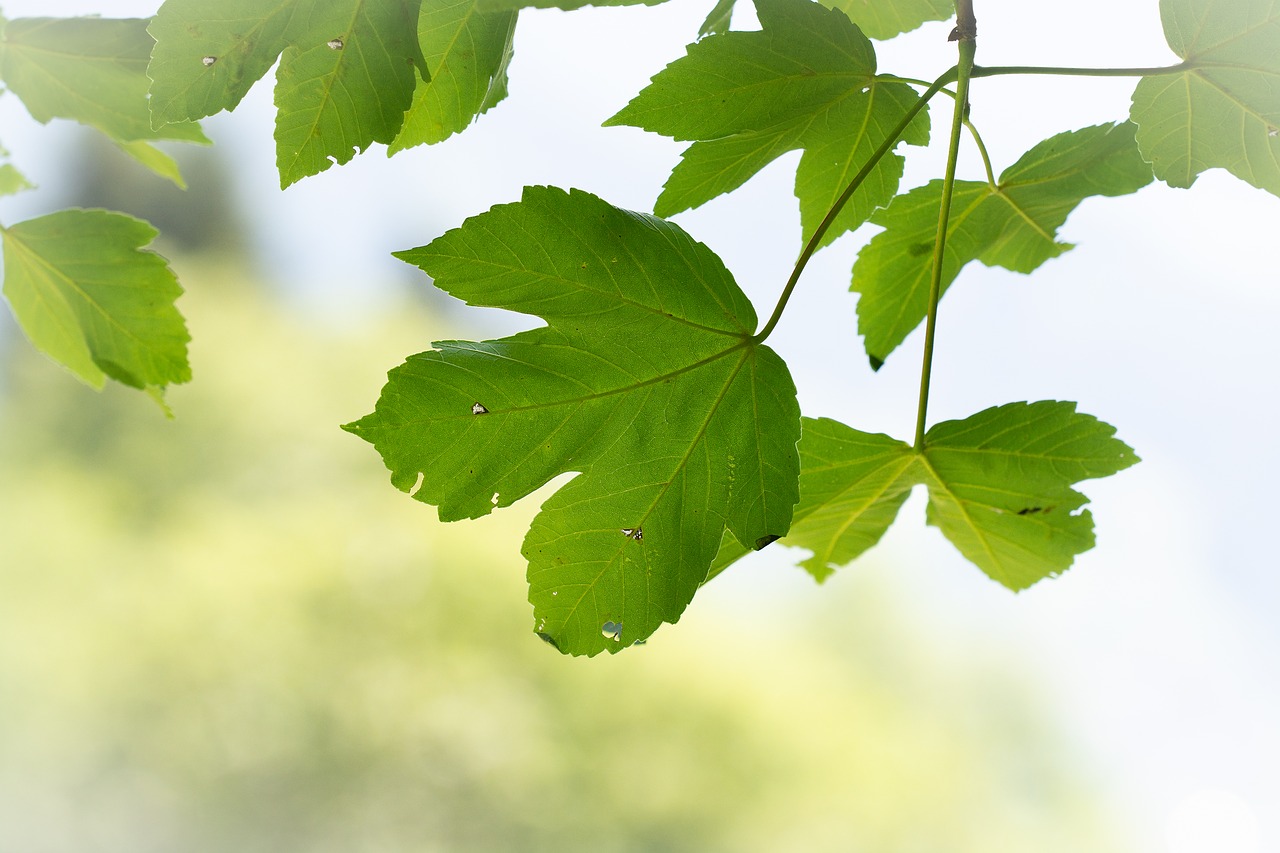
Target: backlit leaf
[(88, 294), (348, 69), (806, 80), (466, 54), (1223, 110), (718, 19), (646, 381), (12, 181), (568, 5), (1012, 225), (999, 486), (90, 70), (884, 19), (852, 485)]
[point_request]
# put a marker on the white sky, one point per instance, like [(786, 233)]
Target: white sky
[(1161, 645)]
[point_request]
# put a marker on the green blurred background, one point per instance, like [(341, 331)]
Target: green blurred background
[(229, 633)]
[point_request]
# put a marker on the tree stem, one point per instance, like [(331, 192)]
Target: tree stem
[(812, 246), (968, 47)]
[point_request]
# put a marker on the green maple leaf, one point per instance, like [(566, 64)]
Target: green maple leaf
[(466, 54), (91, 70), (999, 486), (1012, 224), (1223, 110), (348, 69), (646, 380), (806, 80), (86, 293)]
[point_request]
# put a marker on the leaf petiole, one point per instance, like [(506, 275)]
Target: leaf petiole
[(968, 47), (1006, 70), (811, 247)]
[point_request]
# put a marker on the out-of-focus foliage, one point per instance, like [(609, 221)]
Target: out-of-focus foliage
[(221, 634)]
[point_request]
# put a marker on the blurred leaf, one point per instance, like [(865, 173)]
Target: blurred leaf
[(568, 5), (646, 380), (154, 160), (884, 19), (1223, 111), (347, 70), (1012, 225), (12, 181), (466, 54), (86, 293), (806, 80), (90, 70)]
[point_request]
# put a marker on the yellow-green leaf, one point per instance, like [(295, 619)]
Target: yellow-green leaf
[(87, 293)]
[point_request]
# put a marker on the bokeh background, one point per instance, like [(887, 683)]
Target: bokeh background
[(228, 632)]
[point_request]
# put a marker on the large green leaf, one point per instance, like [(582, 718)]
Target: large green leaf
[(1223, 109), (1012, 224), (647, 381), (999, 486), (466, 54), (85, 292), (348, 69), (806, 80), (90, 70)]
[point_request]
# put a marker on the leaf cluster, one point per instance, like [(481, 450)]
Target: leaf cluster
[(651, 381)]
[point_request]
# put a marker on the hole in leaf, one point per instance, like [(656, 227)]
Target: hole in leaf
[(336, 44), (612, 630), (494, 500), (478, 409), (208, 61), (635, 533)]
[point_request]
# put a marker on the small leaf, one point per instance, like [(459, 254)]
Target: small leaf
[(1012, 225), (12, 181), (646, 381), (90, 70), (1223, 110), (346, 78), (87, 294), (999, 486), (806, 80), (154, 160), (466, 54), (852, 485), (884, 19), (567, 5), (717, 20)]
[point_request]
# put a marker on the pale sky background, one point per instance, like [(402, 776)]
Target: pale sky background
[(1160, 648)]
